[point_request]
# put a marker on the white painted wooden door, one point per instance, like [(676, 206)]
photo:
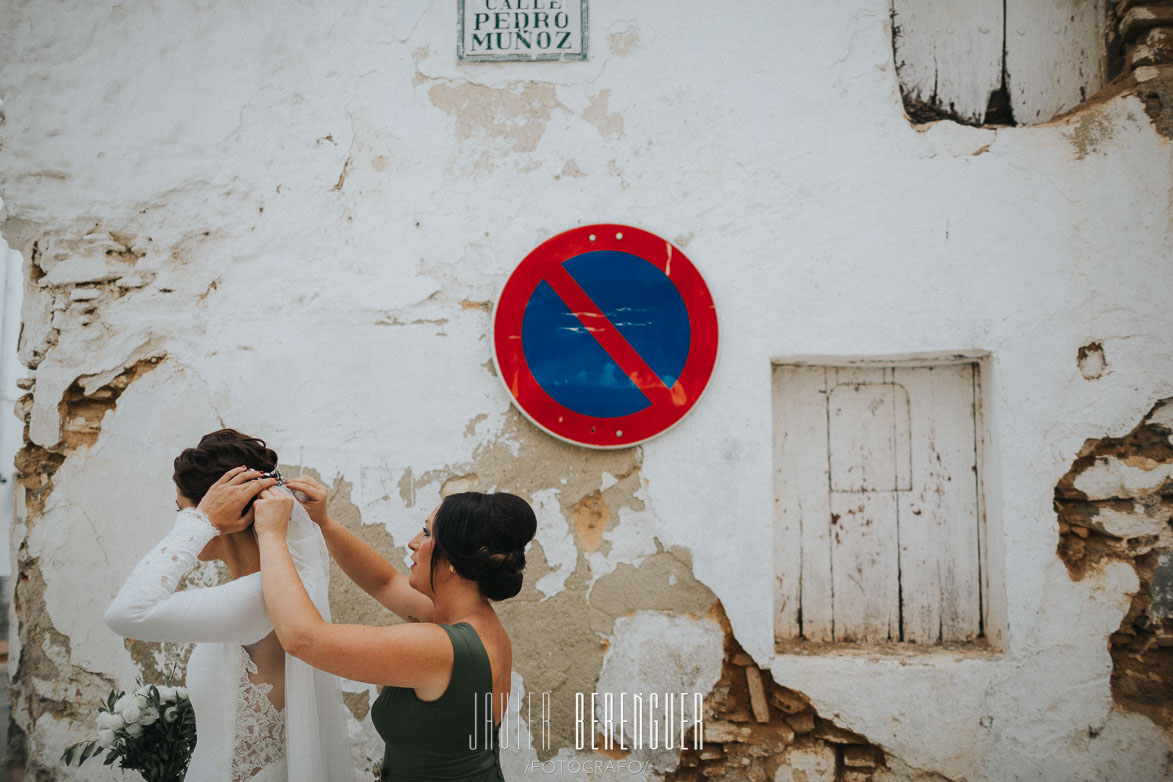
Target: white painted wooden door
[(953, 54), (877, 515)]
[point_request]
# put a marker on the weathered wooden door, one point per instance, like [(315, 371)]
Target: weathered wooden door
[(877, 508)]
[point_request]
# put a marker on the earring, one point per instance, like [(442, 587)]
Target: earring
[(451, 569)]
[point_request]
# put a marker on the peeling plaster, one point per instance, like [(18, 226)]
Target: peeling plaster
[(418, 56), (570, 169), (1091, 361), (58, 267), (590, 520), (560, 641), (621, 43), (358, 703), (653, 651), (609, 124), (501, 121), (563, 619), (575, 586), (1091, 131), (556, 542)]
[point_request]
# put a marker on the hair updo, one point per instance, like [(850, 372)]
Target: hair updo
[(196, 469), (483, 536)]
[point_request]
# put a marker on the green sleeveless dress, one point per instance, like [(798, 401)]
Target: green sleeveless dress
[(430, 741)]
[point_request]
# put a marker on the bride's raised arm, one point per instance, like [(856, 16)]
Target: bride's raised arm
[(359, 561), (149, 609)]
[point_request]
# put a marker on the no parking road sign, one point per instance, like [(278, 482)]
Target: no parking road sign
[(605, 335)]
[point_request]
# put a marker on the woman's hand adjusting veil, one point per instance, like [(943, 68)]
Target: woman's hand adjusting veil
[(225, 501), (272, 510), (315, 497), (365, 566)]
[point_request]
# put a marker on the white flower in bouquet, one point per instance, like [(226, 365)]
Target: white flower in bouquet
[(131, 713), (149, 716), (166, 692), (110, 721), (130, 731)]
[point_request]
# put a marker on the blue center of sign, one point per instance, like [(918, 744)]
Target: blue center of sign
[(640, 302)]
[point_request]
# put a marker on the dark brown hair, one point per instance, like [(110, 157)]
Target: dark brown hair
[(196, 469), (483, 536)]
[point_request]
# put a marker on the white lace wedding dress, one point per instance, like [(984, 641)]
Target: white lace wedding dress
[(259, 751), (240, 734)]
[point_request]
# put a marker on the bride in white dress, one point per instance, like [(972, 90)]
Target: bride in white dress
[(261, 715)]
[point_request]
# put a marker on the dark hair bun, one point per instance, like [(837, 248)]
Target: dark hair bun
[(196, 469), (484, 537)]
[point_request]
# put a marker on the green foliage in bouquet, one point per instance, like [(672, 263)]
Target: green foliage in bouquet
[(151, 731)]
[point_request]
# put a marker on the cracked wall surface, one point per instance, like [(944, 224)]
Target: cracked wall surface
[(225, 221)]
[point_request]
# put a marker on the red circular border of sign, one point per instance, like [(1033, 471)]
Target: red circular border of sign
[(562, 422)]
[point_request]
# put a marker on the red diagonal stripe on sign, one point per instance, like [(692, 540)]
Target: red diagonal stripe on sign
[(604, 331)]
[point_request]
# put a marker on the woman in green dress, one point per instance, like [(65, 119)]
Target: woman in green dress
[(440, 669)]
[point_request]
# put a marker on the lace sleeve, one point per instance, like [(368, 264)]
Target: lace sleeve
[(148, 607)]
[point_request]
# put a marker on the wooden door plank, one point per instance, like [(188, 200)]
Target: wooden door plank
[(949, 53), (865, 566), (920, 543), (979, 493), (802, 549), (957, 516), (938, 520), (866, 414), (1055, 56)]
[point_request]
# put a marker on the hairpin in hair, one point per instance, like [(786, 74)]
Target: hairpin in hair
[(274, 474)]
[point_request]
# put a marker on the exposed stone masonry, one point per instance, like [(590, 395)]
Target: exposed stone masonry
[(756, 730), (1140, 45), (1116, 502), (1146, 32)]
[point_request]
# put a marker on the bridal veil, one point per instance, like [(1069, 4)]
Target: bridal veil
[(317, 744)]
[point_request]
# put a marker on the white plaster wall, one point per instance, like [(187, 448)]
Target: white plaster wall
[(328, 203)]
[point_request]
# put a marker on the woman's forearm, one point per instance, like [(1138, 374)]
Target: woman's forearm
[(358, 560), (291, 611)]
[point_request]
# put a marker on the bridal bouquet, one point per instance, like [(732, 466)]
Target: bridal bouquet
[(150, 730)]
